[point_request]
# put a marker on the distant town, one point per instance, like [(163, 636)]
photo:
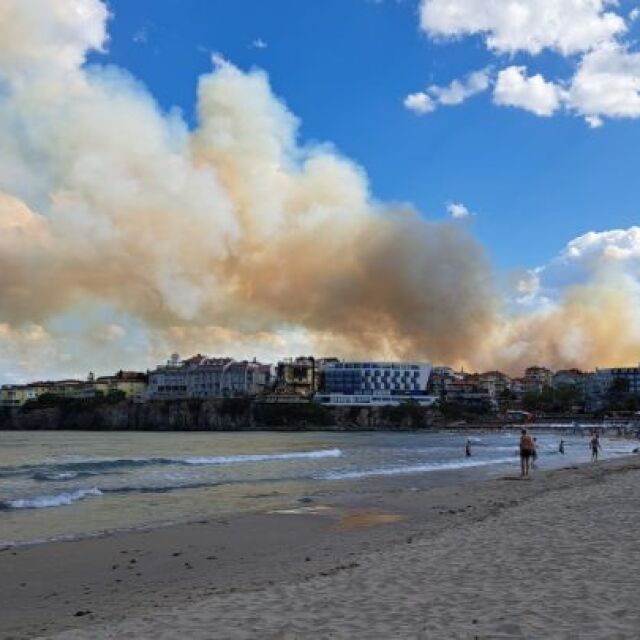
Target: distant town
[(333, 382)]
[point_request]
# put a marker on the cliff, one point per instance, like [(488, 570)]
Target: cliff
[(233, 414)]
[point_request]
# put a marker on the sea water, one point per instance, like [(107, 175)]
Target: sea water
[(67, 484)]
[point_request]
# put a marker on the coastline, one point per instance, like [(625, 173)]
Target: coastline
[(102, 586)]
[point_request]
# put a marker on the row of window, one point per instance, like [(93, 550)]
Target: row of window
[(372, 365)]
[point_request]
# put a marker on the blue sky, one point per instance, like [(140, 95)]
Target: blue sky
[(344, 66)]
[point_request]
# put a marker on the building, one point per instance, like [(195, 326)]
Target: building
[(441, 377), (297, 376), (536, 379), (495, 383), (13, 395), (569, 378), (518, 387), (18, 395), (599, 383), (471, 392), (132, 384), (630, 375), (205, 377), (375, 383)]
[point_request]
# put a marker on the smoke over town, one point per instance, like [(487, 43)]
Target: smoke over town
[(123, 227)]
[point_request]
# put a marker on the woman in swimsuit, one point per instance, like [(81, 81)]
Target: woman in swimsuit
[(526, 449), (595, 447)]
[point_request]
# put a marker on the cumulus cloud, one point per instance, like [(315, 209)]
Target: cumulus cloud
[(449, 95), (567, 26), (457, 210), (590, 34), (514, 88), (419, 103), (607, 84)]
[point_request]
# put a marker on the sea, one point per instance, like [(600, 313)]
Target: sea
[(61, 485)]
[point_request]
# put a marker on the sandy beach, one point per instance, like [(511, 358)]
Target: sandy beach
[(556, 555)]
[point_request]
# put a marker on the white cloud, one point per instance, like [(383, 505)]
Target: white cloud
[(514, 88), (449, 95), (584, 257), (567, 26), (458, 91), (419, 103), (259, 43), (457, 210), (605, 82)]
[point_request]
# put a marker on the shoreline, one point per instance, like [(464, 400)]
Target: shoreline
[(81, 583)]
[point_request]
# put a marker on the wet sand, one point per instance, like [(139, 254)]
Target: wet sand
[(556, 555)]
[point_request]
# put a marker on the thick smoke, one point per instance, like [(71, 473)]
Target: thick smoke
[(231, 237)]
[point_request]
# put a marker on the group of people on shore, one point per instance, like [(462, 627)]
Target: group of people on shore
[(529, 453), (529, 450)]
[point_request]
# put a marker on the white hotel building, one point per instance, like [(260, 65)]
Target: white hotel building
[(203, 377), (375, 383)]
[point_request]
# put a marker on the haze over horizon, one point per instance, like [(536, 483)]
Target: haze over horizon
[(437, 179)]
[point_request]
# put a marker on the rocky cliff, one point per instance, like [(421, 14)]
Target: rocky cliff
[(237, 414)]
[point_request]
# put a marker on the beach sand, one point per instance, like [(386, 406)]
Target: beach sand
[(555, 556)]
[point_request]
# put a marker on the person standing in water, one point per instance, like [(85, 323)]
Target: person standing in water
[(534, 454), (561, 447), (467, 449), (595, 447), (526, 449)]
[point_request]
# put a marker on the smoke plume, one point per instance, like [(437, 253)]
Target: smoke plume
[(125, 235)]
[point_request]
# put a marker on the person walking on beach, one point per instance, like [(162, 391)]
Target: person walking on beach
[(561, 447), (534, 454), (467, 449), (526, 449), (595, 447)]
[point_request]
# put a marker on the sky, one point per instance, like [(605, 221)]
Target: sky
[(451, 180), (345, 67)]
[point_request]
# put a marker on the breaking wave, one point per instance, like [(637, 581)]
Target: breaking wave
[(43, 502), (83, 468), (410, 469)]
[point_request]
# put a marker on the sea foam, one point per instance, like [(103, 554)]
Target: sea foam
[(259, 457), (409, 469), (57, 500)]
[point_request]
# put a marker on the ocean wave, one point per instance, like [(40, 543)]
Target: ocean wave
[(43, 502), (410, 469), (266, 457), (94, 466), (61, 476)]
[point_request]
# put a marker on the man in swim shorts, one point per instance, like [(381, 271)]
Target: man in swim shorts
[(526, 450)]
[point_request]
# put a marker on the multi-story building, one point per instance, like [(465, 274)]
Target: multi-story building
[(440, 378), (132, 384), (13, 395), (518, 387), (204, 377), (495, 382), (375, 383), (472, 392), (569, 378), (536, 379), (297, 376), (18, 395), (630, 375), (599, 383)]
